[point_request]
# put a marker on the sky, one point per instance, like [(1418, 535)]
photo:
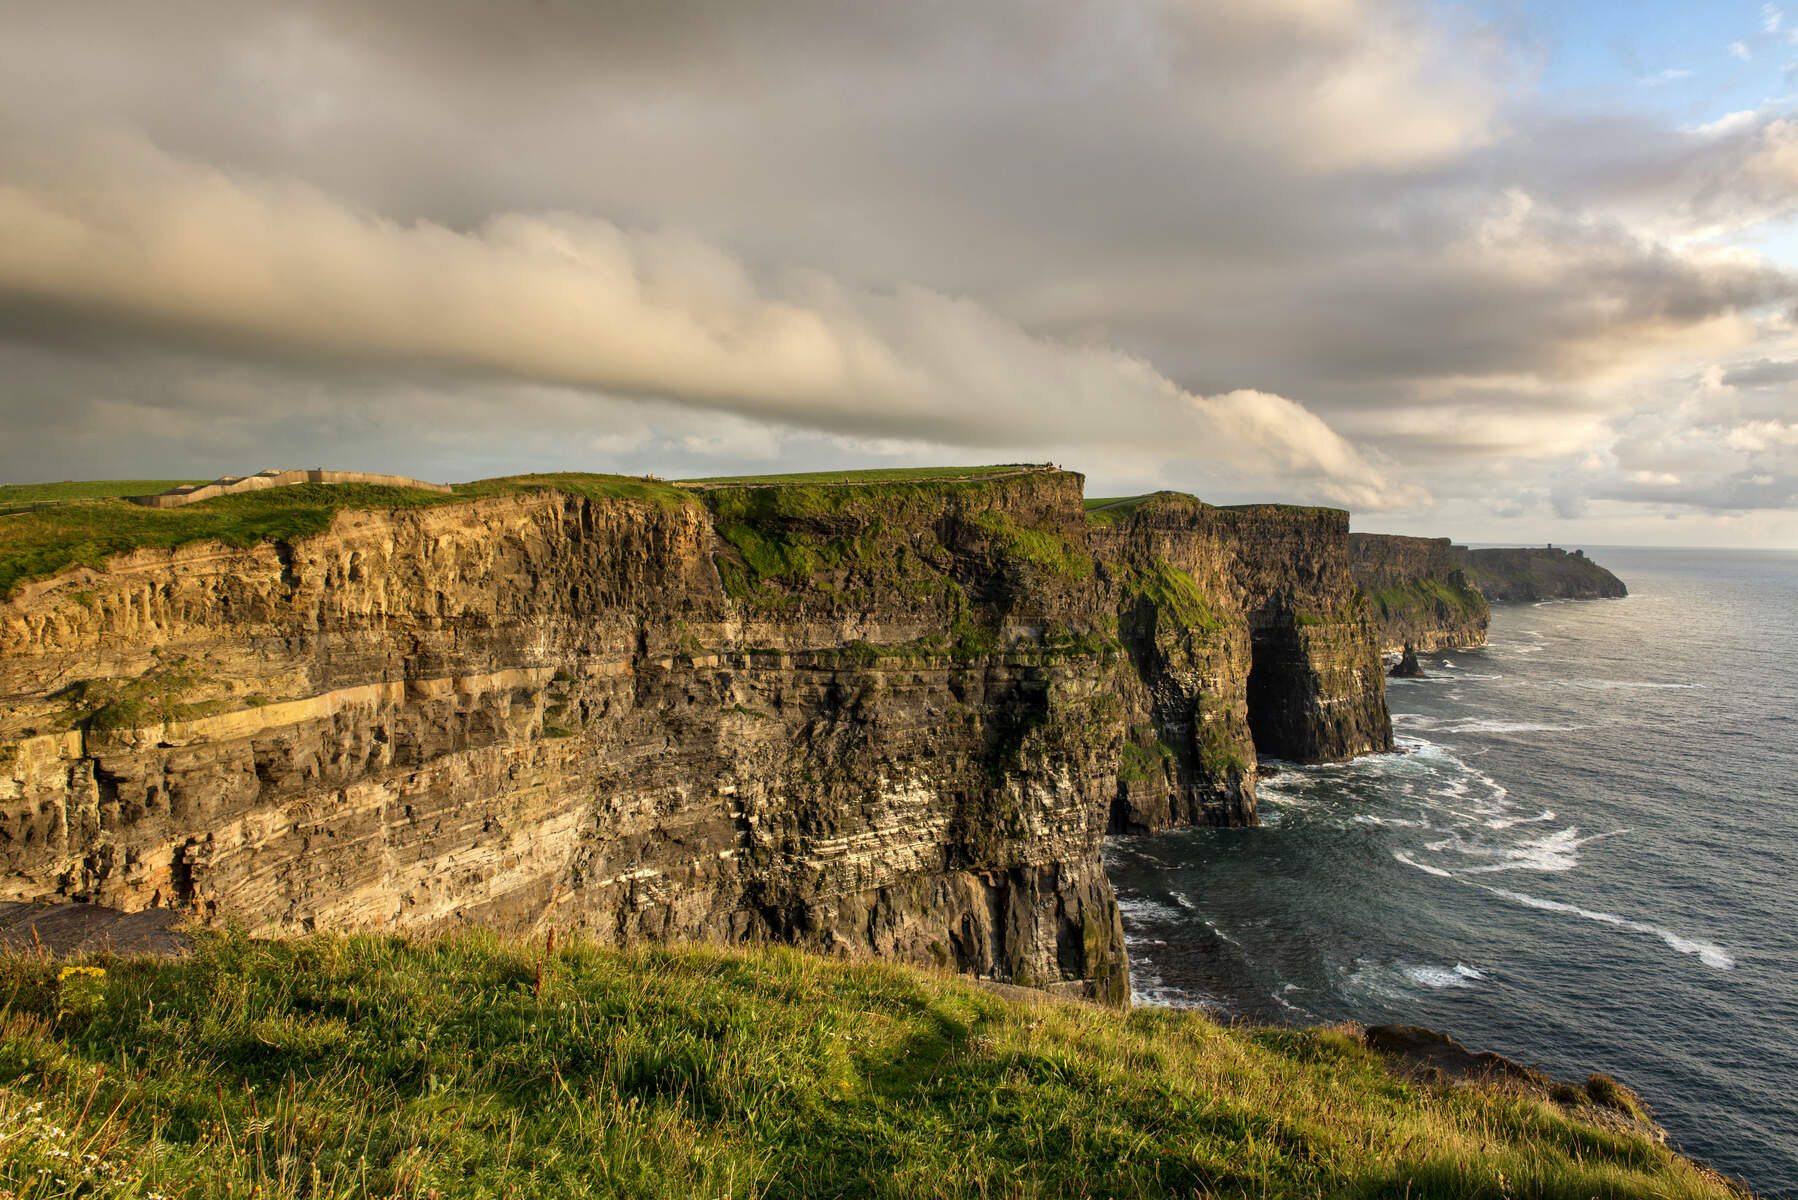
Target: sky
[(1502, 270)]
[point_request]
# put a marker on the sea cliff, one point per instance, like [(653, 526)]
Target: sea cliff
[(893, 718), (1429, 594), (1528, 574), (1419, 592)]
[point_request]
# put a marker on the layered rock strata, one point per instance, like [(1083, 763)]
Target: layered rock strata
[(1249, 639), (1418, 592), (893, 720)]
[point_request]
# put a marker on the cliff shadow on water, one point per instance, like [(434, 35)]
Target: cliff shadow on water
[(887, 715)]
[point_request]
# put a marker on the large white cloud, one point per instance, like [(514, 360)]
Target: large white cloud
[(992, 228), (129, 238)]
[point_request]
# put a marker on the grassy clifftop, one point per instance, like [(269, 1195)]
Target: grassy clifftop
[(378, 1066), (89, 522)]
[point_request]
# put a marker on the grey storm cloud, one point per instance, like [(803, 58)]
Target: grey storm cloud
[(1762, 372), (1258, 245)]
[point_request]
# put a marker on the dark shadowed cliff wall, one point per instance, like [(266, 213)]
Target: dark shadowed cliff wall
[(1528, 574), (891, 719), (1418, 592), (1248, 638)]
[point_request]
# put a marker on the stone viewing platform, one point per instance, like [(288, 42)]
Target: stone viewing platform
[(229, 485)]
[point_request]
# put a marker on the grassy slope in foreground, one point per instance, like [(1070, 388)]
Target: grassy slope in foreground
[(36, 545), (378, 1066)]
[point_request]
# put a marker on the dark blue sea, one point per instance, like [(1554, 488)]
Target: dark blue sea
[(1585, 857)]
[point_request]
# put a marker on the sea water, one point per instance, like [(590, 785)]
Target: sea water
[(1584, 856)]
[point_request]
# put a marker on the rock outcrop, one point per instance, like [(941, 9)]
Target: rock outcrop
[(1511, 575), (1419, 592), (1248, 639), (892, 719), (1407, 666)]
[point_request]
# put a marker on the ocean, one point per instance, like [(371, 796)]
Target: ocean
[(1585, 857)]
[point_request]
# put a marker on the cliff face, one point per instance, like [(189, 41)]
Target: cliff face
[(1248, 637), (892, 719), (1527, 574), (1418, 592)]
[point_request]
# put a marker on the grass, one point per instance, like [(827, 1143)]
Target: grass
[(1172, 591), (875, 475), (805, 540), (1139, 762), (38, 544), (1042, 548), (158, 696), (338, 1067), (1113, 510), (15, 496), (1430, 596)]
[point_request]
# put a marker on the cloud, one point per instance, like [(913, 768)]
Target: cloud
[(125, 239), (1761, 373), (1114, 234), (1740, 50), (1666, 76)]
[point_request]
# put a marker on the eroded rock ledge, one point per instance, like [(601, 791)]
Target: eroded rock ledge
[(893, 719)]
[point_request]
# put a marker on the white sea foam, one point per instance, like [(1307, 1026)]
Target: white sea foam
[(1424, 867), (1709, 953), (1156, 995), (1212, 926), (1388, 822), (1547, 814), (1626, 685), (1141, 908), (1457, 976), (1486, 726)]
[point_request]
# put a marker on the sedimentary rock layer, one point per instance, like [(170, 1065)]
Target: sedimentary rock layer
[(892, 719), (1418, 592)]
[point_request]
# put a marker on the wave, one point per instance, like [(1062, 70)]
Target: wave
[(1488, 726), (1709, 953), (1547, 814), (1424, 867), (1141, 908), (1626, 685), (1457, 976), (1552, 852)]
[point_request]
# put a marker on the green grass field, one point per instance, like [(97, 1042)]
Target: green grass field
[(86, 530), (377, 1066), (1110, 510), (879, 475), (12, 494)]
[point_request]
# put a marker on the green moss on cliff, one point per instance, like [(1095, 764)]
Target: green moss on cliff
[(1172, 591), (1219, 755), (1040, 547), (1432, 597), (1138, 762), (156, 697), (331, 1067), (812, 538)]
